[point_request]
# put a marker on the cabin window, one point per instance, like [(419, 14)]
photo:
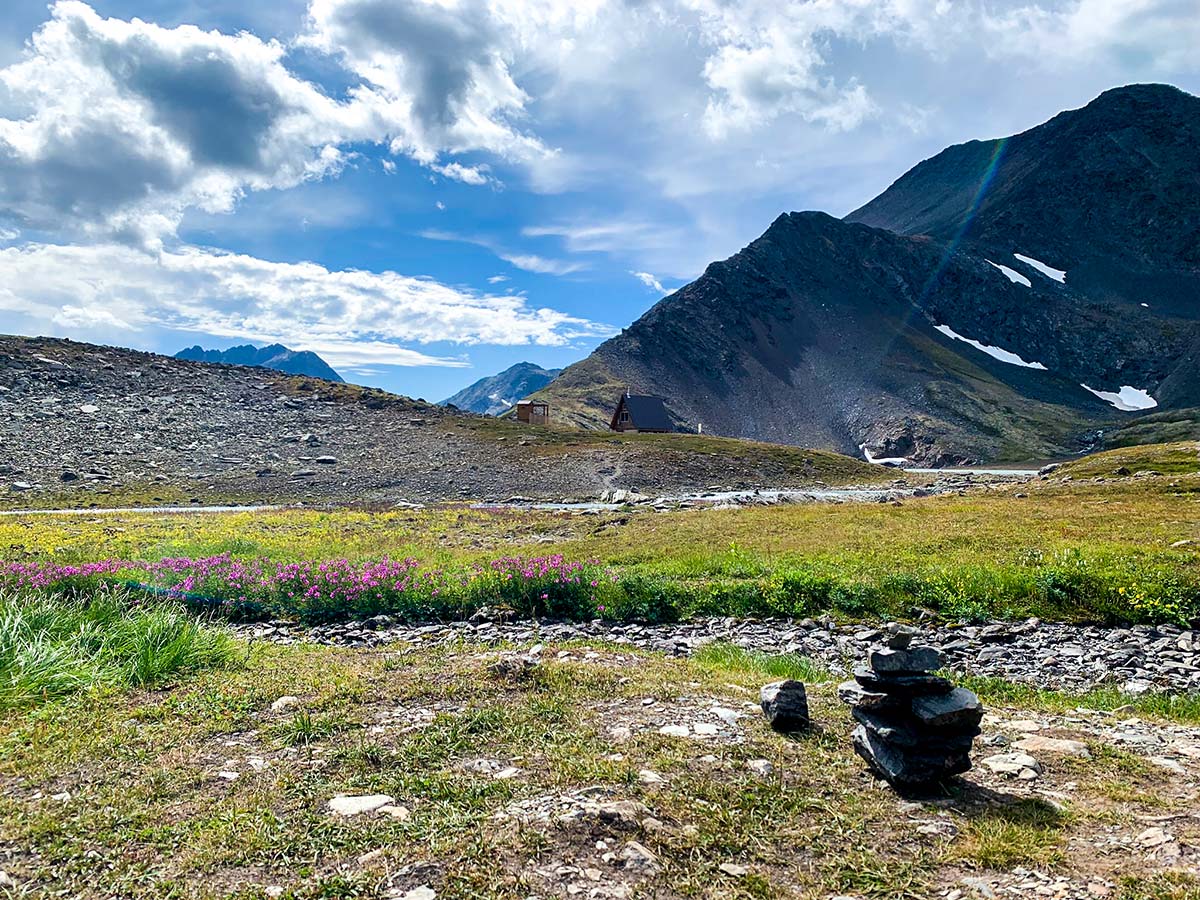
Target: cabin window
[(624, 416)]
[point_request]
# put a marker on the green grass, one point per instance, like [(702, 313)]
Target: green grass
[(1180, 458), (1184, 708), (304, 728), (52, 648), (1073, 551), (725, 657), (1026, 832)]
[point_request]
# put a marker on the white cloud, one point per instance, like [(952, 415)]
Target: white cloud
[(1166, 31), (440, 68), (115, 128), (530, 262), (476, 175), (497, 279), (649, 281), (690, 122), (348, 315)]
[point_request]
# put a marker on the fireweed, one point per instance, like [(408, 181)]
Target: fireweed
[(337, 589)]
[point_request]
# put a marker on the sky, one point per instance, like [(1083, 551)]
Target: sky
[(425, 192)]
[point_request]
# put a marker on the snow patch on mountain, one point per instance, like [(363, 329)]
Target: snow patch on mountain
[(1013, 275), (1005, 356), (1129, 399), (1058, 275), (883, 460)]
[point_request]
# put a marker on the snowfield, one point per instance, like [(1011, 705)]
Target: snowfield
[(1129, 399)]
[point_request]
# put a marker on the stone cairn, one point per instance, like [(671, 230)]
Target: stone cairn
[(914, 728)]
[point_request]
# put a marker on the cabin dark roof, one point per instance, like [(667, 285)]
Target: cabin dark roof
[(648, 413)]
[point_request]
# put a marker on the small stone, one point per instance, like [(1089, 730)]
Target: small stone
[(347, 805), (1137, 687), (273, 891), (508, 773), (760, 767), (420, 892), (396, 812), (647, 776), (704, 729), (680, 731), (373, 856), (638, 858), (1154, 837), (1013, 764), (854, 694), (900, 637), (909, 685), (285, 702), (785, 705), (1036, 743), (734, 869), (907, 767)]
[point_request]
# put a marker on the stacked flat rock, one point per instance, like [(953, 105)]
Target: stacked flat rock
[(914, 728)]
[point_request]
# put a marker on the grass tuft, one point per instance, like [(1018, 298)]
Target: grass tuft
[(731, 658), (999, 692), (1027, 832), (54, 647)]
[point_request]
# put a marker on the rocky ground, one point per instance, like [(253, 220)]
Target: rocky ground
[(97, 426), (1140, 659)]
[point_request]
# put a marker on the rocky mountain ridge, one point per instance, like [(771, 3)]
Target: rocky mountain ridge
[(1005, 300), (496, 394), (84, 425), (273, 356)]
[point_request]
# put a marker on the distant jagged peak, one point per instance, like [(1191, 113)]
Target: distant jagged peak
[(496, 394), (272, 356)]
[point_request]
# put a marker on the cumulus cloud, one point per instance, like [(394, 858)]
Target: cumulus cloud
[(352, 314), (692, 122), (441, 69), (115, 128)]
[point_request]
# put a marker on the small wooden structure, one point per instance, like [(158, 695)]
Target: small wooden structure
[(640, 413), (533, 412)]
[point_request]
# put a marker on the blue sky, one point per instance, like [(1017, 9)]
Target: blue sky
[(427, 191)]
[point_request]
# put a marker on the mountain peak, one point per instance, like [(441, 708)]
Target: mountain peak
[(498, 393), (986, 306), (272, 356)]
